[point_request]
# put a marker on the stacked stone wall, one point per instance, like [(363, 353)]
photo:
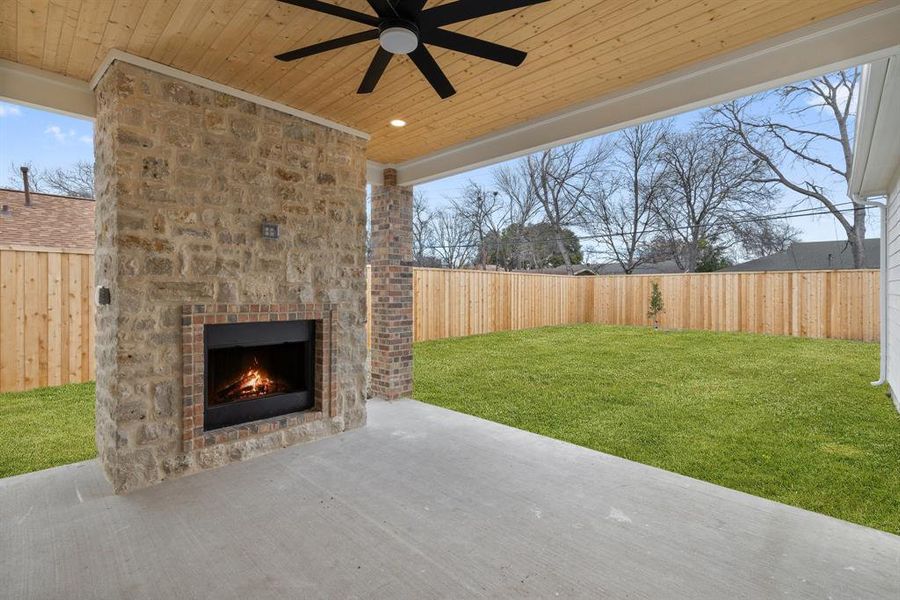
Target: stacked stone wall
[(186, 176)]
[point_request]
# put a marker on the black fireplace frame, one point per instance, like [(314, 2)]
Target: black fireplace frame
[(258, 334)]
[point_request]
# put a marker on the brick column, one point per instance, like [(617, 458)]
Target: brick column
[(392, 260)]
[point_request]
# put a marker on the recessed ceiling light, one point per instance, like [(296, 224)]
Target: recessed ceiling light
[(398, 123)]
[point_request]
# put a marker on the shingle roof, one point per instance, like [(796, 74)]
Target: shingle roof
[(662, 267), (50, 221), (810, 256)]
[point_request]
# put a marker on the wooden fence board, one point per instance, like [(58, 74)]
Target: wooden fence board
[(836, 304), (46, 318), (47, 325)]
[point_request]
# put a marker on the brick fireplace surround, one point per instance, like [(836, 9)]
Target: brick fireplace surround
[(195, 317), (185, 178)]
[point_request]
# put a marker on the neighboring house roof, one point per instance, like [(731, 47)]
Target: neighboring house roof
[(579, 270), (813, 256), (655, 268), (50, 221), (662, 267)]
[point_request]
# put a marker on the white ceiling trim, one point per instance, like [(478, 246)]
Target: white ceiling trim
[(45, 90), (75, 98), (156, 67), (876, 154), (374, 172), (854, 38)]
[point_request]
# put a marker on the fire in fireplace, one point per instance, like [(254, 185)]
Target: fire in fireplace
[(257, 371)]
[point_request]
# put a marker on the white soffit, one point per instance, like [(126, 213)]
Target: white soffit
[(374, 172), (48, 91), (851, 39), (876, 163), (45, 90)]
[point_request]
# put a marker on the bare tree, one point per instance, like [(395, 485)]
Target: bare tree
[(521, 203), (711, 186), (561, 180), (483, 211), (423, 228), (453, 236), (762, 238), (76, 180), (522, 207), (803, 143), (621, 210)]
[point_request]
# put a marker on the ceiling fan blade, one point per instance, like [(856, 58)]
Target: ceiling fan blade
[(383, 8), (463, 10), (376, 70), (432, 71), (470, 45), (341, 42), (411, 7), (337, 11)]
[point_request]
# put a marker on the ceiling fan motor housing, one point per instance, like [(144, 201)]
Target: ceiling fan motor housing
[(398, 36), (407, 27)]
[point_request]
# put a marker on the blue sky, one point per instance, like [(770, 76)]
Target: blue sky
[(48, 140), (43, 138), (814, 228)]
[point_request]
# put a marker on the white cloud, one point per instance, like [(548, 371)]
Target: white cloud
[(57, 132), (9, 110), (64, 136), (86, 139)]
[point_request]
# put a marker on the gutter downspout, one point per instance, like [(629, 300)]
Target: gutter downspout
[(882, 291)]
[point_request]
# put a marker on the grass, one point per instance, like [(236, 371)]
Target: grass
[(789, 419), (794, 420), (46, 427)]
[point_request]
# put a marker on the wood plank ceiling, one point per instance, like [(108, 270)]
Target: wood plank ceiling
[(578, 50)]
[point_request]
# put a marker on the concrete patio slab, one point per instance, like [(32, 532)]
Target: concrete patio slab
[(427, 503)]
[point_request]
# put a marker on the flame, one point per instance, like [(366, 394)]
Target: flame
[(251, 384), (256, 381)]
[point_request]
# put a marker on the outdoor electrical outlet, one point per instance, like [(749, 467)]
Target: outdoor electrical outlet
[(270, 231)]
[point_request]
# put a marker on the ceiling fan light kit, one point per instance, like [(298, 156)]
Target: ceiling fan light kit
[(399, 37), (407, 27)]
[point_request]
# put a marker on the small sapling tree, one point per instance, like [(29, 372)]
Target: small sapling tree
[(656, 304)]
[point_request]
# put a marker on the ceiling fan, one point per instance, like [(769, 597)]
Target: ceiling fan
[(405, 27)]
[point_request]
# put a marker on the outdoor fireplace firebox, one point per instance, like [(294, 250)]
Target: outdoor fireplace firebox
[(257, 371)]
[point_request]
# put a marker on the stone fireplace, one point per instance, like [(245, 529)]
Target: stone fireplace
[(231, 238)]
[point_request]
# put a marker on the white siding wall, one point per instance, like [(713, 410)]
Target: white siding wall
[(893, 291)]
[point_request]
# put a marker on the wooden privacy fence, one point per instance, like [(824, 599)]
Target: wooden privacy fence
[(46, 317), (820, 304), (47, 308)]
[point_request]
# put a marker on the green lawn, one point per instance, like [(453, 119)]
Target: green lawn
[(45, 428), (789, 419)]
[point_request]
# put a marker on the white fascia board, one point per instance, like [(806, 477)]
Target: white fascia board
[(156, 67), (374, 173), (851, 39), (45, 90), (73, 97), (876, 156)]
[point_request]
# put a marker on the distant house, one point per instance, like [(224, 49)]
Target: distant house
[(48, 221), (661, 267), (813, 256), (578, 270), (652, 268)]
